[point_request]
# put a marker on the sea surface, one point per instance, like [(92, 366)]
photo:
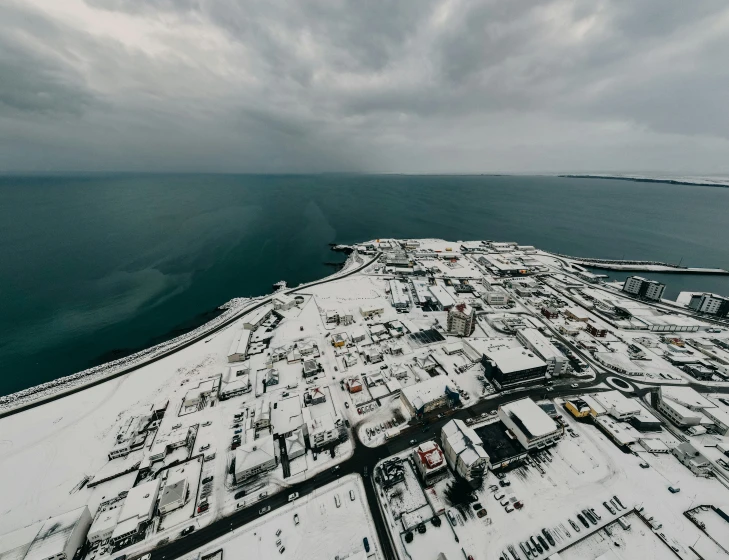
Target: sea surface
[(95, 267)]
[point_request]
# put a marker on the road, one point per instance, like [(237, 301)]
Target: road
[(183, 345)]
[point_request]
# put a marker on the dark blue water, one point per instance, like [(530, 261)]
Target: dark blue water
[(94, 267)]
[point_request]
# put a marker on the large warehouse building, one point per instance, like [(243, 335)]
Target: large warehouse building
[(513, 366), (56, 538), (529, 423)]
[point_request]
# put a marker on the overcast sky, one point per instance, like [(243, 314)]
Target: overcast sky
[(363, 85)]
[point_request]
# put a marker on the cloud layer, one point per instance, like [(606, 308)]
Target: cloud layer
[(383, 86)]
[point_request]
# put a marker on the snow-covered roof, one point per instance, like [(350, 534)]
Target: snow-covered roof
[(139, 503), (254, 453), (510, 360), (464, 441), (240, 343), (295, 442), (14, 546), (540, 344), (174, 491), (105, 521), (686, 396), (286, 416), (53, 537), (426, 391), (532, 417), (431, 455), (442, 296), (618, 402)]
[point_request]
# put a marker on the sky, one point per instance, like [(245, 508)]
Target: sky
[(421, 86)]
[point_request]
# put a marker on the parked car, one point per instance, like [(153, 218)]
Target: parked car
[(481, 513), (541, 540), (264, 510), (595, 514), (451, 517), (536, 545), (644, 465), (582, 520), (296, 519), (504, 482), (574, 385), (207, 479), (187, 530), (293, 496), (203, 507), (548, 536), (351, 495), (609, 507), (674, 489), (281, 550), (346, 404)]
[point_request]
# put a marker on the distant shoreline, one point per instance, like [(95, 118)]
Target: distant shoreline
[(647, 180)]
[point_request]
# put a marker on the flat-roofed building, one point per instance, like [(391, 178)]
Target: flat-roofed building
[(530, 424), (137, 512), (577, 314), (711, 304), (204, 389), (577, 407), (618, 405), (441, 298), (371, 309), (286, 416), (464, 450), (648, 289), (56, 538), (513, 366), (594, 330), (283, 302), (557, 363), (104, 523), (399, 295)]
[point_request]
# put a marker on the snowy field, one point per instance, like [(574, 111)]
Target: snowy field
[(324, 531)]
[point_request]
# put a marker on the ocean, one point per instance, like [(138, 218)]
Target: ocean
[(95, 267)]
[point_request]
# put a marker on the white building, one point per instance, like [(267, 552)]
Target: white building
[(529, 423), (692, 459), (104, 524), (557, 363), (464, 450), (648, 289), (358, 334), (254, 320), (56, 538), (239, 386), (173, 494), (399, 296), (239, 346), (254, 457), (371, 309), (618, 405), (282, 302), (137, 511), (286, 416), (496, 297), (720, 418), (295, 444), (461, 320), (710, 303), (204, 389), (441, 298), (428, 395)]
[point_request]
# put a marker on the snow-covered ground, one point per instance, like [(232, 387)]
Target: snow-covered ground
[(324, 531)]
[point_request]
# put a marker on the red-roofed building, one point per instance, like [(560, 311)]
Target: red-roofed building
[(354, 385), (430, 462)]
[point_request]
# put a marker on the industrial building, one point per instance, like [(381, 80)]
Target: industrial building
[(104, 523), (513, 366), (56, 538), (683, 406), (254, 457), (434, 394), (557, 363), (256, 318), (442, 300), (648, 289), (430, 462), (711, 304), (464, 450), (372, 309), (461, 320), (137, 512), (529, 424)]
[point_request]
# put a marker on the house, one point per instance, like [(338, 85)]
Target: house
[(295, 444), (464, 450), (692, 459), (314, 396), (354, 385), (310, 368), (430, 462), (271, 377), (254, 457), (339, 340), (374, 355), (430, 395), (550, 312)]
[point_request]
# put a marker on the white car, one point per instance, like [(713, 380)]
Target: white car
[(574, 385), (293, 496), (351, 495)]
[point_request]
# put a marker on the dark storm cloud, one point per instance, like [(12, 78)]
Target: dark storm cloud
[(417, 86)]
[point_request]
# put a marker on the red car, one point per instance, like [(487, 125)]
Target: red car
[(202, 507)]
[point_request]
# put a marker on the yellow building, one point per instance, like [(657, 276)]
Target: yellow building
[(578, 408)]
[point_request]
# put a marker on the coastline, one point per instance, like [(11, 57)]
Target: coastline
[(232, 311)]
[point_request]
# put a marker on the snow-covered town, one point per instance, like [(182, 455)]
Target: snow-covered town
[(431, 400)]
